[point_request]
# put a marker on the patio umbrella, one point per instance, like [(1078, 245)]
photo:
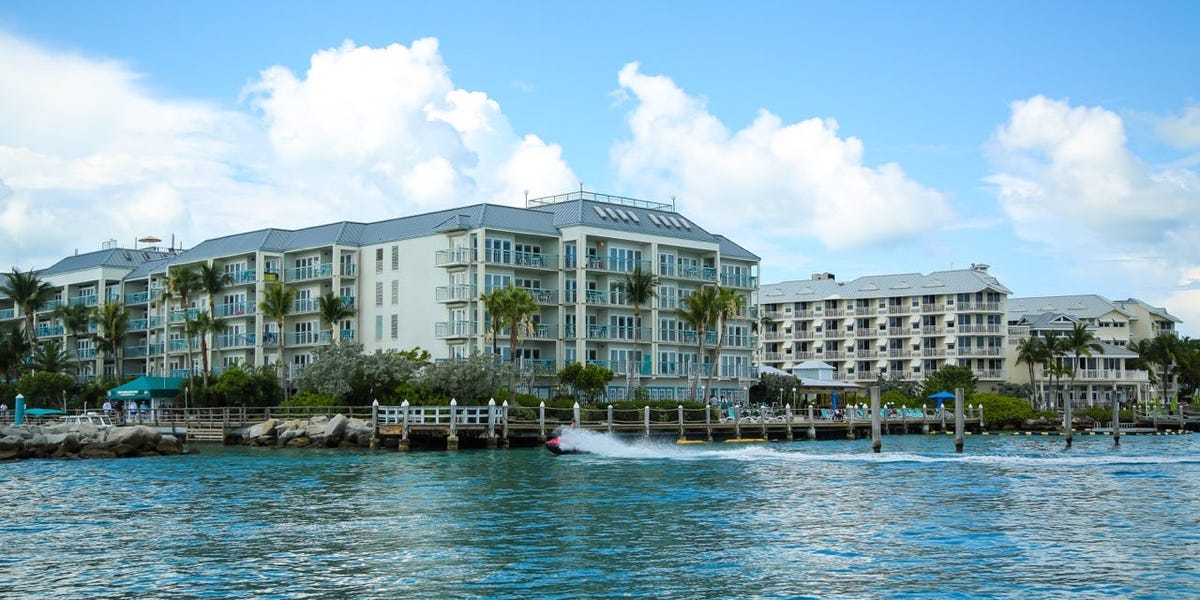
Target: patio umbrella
[(941, 397), (833, 400), (43, 412)]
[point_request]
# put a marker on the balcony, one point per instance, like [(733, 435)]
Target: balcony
[(979, 307), (697, 273), (155, 348), (349, 334), (348, 301), (230, 309), (134, 351), (597, 297), (236, 340), (988, 373), (739, 280), (453, 329), (454, 257), (85, 353), (304, 305), (177, 315), (348, 270), (319, 271), (621, 265), (455, 293), (138, 324), (244, 276), (137, 298), (535, 260), (8, 313), (543, 296), (87, 300), (307, 338), (543, 332), (49, 330), (980, 328), (180, 345)]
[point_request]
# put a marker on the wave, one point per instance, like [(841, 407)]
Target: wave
[(613, 446)]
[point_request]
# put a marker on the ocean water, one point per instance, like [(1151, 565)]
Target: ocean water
[(1010, 517)]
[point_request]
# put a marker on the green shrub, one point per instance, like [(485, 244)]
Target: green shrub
[(1003, 411), (310, 398)]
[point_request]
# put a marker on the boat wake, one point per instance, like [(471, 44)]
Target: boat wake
[(582, 441)]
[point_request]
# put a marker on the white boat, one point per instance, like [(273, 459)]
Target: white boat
[(97, 419)]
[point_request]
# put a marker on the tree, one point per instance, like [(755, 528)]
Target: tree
[(212, 281), (1079, 342), (276, 304), (50, 357), (1029, 351), (44, 387), (492, 302), (639, 287), (13, 349), (949, 377), (246, 386), (75, 319), (113, 323), (512, 308), (203, 326), (587, 379), (1053, 346), (30, 293), (1164, 349), (729, 302), (183, 282), (468, 380), (333, 310), (700, 312)]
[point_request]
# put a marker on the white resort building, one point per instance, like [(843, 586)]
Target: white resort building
[(416, 282), (1115, 324), (901, 326)]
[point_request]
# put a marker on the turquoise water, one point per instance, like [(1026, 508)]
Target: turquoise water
[(1010, 517)]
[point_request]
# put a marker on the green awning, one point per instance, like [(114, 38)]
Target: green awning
[(147, 387)]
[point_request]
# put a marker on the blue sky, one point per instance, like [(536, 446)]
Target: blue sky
[(1057, 142)]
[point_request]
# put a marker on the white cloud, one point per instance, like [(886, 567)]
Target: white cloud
[(1182, 130), (771, 178), (1066, 178), (88, 154)]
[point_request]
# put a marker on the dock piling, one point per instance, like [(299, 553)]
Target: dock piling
[(876, 442), (958, 419)]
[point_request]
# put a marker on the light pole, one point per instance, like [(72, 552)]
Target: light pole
[(793, 398)]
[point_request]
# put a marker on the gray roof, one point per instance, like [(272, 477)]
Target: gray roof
[(112, 257), (958, 281), (634, 219), (1154, 310), (1080, 306)]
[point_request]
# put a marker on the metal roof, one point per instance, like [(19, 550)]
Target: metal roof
[(111, 257), (960, 281), (1157, 311), (1080, 306)]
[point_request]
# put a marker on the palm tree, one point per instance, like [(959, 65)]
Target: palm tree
[(1052, 347), (276, 304), (1165, 348), (729, 302), (700, 312), (29, 292), (639, 287), (515, 308), (113, 322), (13, 348), (1029, 351), (204, 325), (75, 318), (492, 302), (212, 281), (183, 282), (1080, 342), (333, 310), (50, 357)]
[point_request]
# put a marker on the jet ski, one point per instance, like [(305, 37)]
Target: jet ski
[(553, 446)]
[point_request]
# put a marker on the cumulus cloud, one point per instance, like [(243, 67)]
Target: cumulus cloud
[(1066, 178), (388, 125), (787, 180), (1181, 130), (89, 153)]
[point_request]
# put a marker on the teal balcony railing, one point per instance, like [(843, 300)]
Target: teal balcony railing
[(88, 300), (8, 313), (310, 272), (134, 351), (231, 309), (349, 334), (49, 330), (739, 280), (348, 301), (244, 276), (235, 340), (349, 270), (303, 305), (137, 298), (177, 315), (138, 324)]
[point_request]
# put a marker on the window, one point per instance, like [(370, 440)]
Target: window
[(395, 327), (378, 293), (378, 328), (379, 260), (395, 258), (395, 292), (497, 251)]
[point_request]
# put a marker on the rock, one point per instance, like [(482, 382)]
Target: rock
[(97, 452), (300, 441), (169, 444), (335, 429), (264, 429)]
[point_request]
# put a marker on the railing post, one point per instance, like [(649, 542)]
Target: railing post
[(452, 441), (646, 420), (708, 422), (876, 442), (737, 422), (681, 431), (576, 416), (491, 424), (610, 418), (812, 424), (958, 421), (504, 423), (405, 442), (542, 421), (788, 419), (1116, 416)]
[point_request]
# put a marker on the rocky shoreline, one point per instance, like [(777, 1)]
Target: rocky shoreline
[(338, 431), (84, 440)]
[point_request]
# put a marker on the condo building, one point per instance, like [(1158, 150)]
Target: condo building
[(1097, 378), (900, 327), (416, 281)]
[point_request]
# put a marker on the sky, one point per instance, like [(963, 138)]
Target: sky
[(1057, 142)]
